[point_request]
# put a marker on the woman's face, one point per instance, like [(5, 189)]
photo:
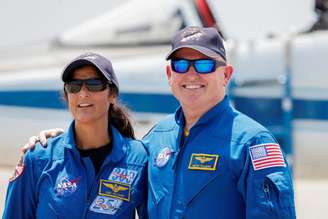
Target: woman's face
[(89, 107)]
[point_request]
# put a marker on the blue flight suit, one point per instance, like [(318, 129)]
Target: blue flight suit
[(58, 183), (223, 169)]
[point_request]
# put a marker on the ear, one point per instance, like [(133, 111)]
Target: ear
[(168, 73), (227, 74), (112, 98)]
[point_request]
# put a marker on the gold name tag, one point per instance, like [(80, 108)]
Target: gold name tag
[(203, 162)]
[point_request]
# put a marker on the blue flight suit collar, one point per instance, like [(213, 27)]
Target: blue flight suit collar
[(208, 116), (118, 143)]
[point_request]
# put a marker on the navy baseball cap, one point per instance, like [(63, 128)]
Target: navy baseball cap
[(205, 40), (100, 62)]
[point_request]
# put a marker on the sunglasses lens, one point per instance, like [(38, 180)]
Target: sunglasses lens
[(73, 86), (204, 66), (95, 85), (180, 66)]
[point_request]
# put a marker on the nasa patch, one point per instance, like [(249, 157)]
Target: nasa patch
[(65, 186), (163, 157), (105, 205), (123, 175)]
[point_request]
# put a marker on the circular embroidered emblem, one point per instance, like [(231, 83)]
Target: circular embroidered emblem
[(66, 187), (163, 157)]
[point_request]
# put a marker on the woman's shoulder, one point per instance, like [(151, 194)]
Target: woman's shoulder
[(53, 150)]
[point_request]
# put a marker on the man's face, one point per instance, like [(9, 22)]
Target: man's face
[(199, 92)]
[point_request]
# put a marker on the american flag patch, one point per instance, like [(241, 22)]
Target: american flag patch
[(266, 156)]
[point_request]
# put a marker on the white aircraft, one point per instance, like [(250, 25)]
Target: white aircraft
[(281, 81)]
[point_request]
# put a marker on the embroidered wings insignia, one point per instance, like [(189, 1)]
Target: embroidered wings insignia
[(115, 188), (204, 159)]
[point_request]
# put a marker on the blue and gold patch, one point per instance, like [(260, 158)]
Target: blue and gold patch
[(115, 189), (203, 161)]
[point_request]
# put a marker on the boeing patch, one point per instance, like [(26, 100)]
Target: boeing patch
[(105, 205), (114, 189), (203, 162), (163, 157), (123, 175)]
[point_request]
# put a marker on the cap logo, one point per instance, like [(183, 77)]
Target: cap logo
[(91, 57), (192, 36)]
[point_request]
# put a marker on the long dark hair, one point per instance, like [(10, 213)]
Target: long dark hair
[(119, 117)]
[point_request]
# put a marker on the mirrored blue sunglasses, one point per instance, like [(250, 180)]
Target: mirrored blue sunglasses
[(201, 66)]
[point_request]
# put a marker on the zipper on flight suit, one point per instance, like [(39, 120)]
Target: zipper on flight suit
[(183, 140), (94, 186), (266, 190), (88, 194)]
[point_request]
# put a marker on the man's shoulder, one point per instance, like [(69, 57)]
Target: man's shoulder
[(166, 124), (246, 128), (136, 150), (244, 121)]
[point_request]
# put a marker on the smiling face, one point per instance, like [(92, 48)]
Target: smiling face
[(87, 106), (198, 92)]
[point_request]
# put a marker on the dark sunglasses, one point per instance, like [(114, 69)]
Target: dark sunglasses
[(93, 85), (202, 66)]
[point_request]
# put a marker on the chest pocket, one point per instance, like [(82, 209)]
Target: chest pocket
[(160, 178), (59, 195), (161, 172), (195, 181), (120, 190), (105, 206), (203, 163)]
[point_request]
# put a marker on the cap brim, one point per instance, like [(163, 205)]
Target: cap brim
[(79, 63), (201, 49), (74, 65)]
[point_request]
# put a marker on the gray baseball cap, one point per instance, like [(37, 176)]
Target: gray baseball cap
[(205, 40), (100, 62)]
